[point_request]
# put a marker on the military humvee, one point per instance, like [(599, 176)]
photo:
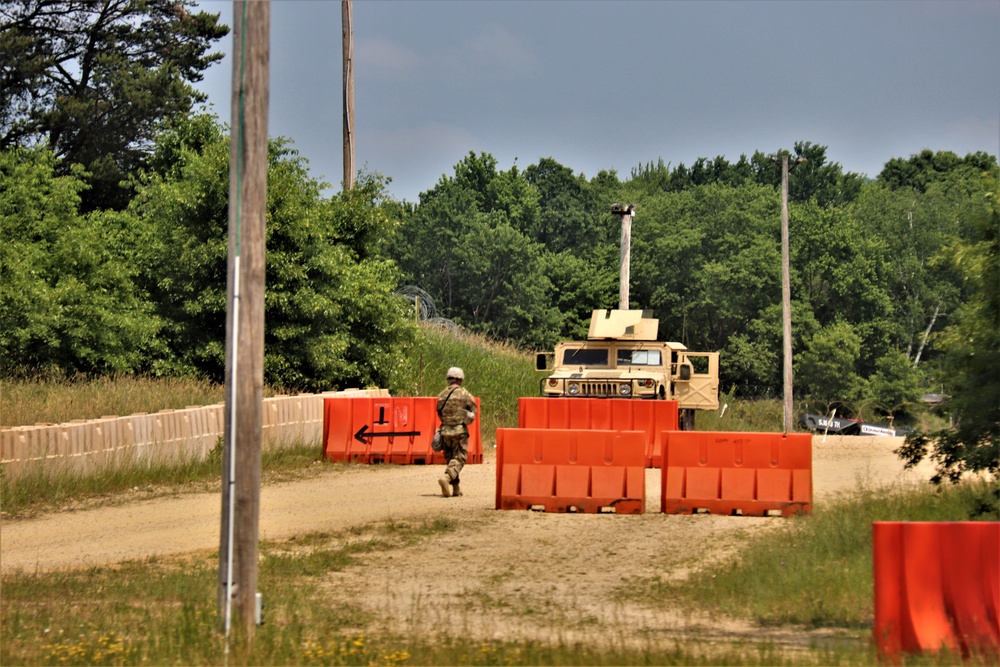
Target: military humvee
[(621, 358)]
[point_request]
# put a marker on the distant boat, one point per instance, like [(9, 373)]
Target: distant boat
[(842, 426)]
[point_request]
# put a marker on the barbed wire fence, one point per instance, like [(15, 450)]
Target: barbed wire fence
[(424, 308)]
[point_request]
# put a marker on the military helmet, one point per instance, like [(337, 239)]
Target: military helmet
[(455, 373)]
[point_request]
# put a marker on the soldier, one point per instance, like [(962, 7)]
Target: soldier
[(457, 409)]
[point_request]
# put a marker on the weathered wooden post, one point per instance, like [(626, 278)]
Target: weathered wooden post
[(245, 321), (626, 212), (348, 30)]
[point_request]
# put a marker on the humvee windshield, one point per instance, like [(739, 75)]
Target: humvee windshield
[(585, 357), (639, 358)]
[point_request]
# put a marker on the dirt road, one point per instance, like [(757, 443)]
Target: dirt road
[(530, 574)]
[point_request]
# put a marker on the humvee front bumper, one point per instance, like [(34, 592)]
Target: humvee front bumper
[(599, 388)]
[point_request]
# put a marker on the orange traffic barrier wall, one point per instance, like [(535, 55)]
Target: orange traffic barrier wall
[(937, 586), (571, 470), (736, 473), (610, 414), (386, 429)]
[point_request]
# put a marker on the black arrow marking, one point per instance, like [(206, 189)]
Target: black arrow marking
[(363, 433)]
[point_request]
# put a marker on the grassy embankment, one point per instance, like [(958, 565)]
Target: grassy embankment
[(497, 374), (814, 571)]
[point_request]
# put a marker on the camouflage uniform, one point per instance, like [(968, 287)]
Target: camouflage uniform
[(453, 404)]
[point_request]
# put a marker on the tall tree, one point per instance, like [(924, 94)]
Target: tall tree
[(971, 358), (568, 217), (98, 79), (69, 300), (922, 169), (826, 370), (331, 319), (840, 272), (913, 227), (815, 178), (468, 244)]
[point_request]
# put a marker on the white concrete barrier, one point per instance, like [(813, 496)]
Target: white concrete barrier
[(83, 446)]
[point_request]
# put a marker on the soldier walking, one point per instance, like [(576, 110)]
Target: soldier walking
[(456, 408)]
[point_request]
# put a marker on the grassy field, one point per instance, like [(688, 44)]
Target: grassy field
[(26, 401), (162, 611)]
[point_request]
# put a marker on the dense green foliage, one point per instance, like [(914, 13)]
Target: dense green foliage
[(971, 361), (144, 290), (330, 317), (98, 81), (68, 294), (466, 245)]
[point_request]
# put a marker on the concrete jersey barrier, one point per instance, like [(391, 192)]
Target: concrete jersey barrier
[(84, 446)]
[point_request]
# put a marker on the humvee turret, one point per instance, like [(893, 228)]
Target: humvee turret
[(621, 358)]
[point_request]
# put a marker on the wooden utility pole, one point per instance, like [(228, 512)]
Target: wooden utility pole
[(786, 298), (346, 20), (786, 292), (245, 322), (626, 212)]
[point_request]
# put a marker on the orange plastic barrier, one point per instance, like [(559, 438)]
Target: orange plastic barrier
[(611, 414), (571, 470), (736, 473), (383, 429), (937, 586)]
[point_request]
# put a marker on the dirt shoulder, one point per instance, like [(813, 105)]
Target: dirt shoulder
[(357, 495)]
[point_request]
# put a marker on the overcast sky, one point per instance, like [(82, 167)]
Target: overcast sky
[(616, 84)]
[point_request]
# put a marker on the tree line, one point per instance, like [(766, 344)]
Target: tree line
[(113, 206), (526, 255)]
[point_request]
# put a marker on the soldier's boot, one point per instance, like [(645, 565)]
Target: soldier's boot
[(456, 490), (445, 486)]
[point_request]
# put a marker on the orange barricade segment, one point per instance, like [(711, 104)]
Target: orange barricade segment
[(964, 585), (562, 470), (738, 483), (603, 414), (382, 429), (924, 589), (573, 481), (937, 587), (537, 480), (736, 473)]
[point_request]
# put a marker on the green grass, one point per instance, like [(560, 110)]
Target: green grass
[(816, 571), (167, 611), (56, 400), (813, 571), (764, 415), (163, 612)]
